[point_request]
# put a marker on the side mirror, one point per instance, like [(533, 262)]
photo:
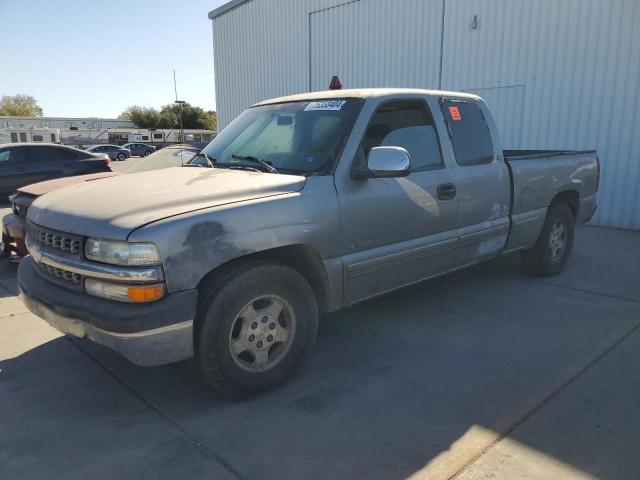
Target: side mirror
[(385, 162)]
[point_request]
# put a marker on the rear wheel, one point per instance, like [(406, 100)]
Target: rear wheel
[(147, 153), (121, 156), (553, 247), (254, 327)]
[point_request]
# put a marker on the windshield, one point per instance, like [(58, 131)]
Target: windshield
[(294, 137), (165, 158)]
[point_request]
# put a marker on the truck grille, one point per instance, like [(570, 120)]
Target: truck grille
[(65, 276), (60, 241)]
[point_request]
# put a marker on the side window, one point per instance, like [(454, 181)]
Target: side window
[(14, 137), (68, 154), (23, 137), (37, 138), (12, 155), (157, 135), (46, 154), (406, 124), (469, 132)]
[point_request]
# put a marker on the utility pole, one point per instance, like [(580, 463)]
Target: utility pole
[(179, 102)]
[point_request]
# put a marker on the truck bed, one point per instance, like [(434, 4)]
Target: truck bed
[(537, 177)]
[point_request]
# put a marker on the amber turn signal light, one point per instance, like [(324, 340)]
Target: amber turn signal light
[(146, 293)]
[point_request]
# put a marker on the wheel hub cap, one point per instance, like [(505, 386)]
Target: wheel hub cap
[(261, 333), (557, 240)]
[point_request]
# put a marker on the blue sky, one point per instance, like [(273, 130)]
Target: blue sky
[(95, 58)]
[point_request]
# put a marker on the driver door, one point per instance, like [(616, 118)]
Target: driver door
[(398, 231)]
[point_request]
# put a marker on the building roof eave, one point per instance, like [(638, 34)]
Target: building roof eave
[(225, 8)]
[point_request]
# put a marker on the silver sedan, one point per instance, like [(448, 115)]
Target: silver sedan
[(114, 151)]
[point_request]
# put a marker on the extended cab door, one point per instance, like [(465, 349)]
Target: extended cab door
[(481, 178), (396, 231)]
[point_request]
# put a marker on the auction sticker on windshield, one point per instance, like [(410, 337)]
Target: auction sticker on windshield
[(325, 105)]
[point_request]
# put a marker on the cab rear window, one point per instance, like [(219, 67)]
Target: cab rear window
[(468, 131)]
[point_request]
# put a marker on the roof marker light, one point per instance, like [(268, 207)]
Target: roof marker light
[(335, 83)]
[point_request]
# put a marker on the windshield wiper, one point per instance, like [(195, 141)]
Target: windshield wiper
[(208, 158), (251, 158)]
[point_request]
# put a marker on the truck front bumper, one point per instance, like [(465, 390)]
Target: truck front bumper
[(147, 335)]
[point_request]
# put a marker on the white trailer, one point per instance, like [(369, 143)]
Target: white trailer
[(22, 135)]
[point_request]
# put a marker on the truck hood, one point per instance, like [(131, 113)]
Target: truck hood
[(40, 188), (113, 207)]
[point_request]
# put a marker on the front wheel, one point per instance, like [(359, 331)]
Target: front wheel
[(254, 327), (121, 156), (553, 248)]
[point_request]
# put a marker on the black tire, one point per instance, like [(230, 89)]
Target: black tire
[(147, 153), (219, 313), (121, 156), (540, 260)]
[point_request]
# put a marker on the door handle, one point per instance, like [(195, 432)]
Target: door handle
[(446, 191), (68, 164), (20, 169)]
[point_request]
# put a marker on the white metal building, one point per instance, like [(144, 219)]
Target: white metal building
[(556, 73)]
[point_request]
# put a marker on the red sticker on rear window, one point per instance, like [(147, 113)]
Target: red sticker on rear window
[(455, 113)]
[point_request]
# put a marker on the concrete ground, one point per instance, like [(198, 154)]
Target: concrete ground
[(486, 373)]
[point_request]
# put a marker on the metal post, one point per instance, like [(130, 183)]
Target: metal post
[(180, 102)]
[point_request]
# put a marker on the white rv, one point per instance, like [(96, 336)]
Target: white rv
[(22, 135)]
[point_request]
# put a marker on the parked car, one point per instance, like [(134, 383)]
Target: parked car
[(114, 151), (14, 224), (139, 149), (26, 163), (312, 203)]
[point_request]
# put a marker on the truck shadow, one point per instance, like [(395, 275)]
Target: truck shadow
[(393, 385)]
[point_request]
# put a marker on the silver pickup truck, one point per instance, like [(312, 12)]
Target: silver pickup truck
[(302, 205)]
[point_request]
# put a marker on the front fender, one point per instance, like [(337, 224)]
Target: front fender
[(193, 244)]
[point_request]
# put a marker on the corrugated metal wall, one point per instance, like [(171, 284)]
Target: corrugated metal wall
[(556, 74)]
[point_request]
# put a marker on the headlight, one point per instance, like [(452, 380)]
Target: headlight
[(124, 293), (122, 253)]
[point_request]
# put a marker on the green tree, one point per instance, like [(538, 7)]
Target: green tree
[(212, 120), (169, 117), (142, 117), (20, 106), (192, 117)]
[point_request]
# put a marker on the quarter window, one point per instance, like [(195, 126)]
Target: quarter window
[(406, 124), (469, 132)]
